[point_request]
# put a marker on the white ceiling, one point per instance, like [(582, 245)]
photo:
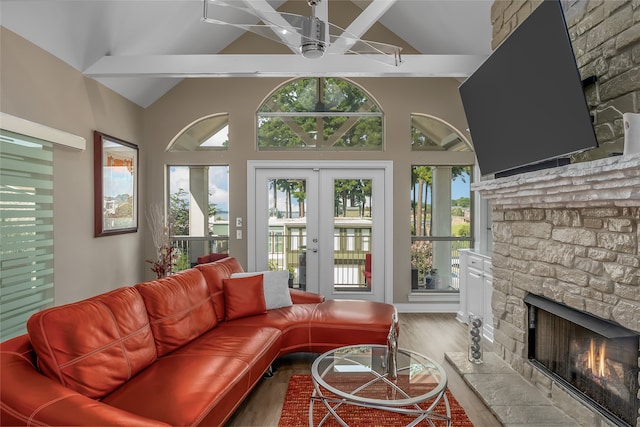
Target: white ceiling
[(142, 48)]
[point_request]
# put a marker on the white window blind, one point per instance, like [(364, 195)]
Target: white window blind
[(26, 230)]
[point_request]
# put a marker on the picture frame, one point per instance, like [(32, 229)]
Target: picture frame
[(115, 174)]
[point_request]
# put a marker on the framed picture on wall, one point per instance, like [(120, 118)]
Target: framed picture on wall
[(115, 173)]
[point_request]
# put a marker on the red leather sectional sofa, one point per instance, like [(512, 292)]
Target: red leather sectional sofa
[(183, 351)]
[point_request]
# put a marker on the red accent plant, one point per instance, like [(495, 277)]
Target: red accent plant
[(160, 232), (163, 266)]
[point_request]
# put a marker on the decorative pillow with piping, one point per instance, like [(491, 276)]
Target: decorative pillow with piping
[(275, 285), (243, 297), (214, 273)]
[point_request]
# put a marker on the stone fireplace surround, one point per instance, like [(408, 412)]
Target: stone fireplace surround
[(570, 234)]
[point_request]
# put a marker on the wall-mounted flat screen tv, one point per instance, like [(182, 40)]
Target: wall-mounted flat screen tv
[(525, 104)]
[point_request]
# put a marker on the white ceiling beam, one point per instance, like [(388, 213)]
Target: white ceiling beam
[(182, 66), (271, 15), (361, 24)]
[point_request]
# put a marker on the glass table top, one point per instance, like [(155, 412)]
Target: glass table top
[(358, 373)]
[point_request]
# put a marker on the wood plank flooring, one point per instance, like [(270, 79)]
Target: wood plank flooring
[(429, 334)]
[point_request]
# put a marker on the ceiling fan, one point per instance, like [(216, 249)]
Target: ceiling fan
[(309, 36)]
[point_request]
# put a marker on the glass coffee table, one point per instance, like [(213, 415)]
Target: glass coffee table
[(357, 375)]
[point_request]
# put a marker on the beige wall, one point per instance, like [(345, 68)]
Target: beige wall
[(38, 87), (241, 97)]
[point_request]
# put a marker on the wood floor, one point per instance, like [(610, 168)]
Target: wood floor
[(429, 334)]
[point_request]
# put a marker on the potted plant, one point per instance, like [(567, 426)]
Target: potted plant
[(430, 279), (165, 252), (421, 263)]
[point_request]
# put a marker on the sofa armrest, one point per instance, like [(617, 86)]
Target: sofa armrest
[(303, 297), (30, 398)]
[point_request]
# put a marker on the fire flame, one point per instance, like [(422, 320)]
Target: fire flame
[(596, 358)]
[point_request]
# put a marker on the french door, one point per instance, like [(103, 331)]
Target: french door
[(327, 223)]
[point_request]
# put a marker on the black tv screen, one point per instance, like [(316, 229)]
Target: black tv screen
[(525, 104)]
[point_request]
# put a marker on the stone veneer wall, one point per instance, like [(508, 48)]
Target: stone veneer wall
[(571, 234), (606, 40), (586, 258)]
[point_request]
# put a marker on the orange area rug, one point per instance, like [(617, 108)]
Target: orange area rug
[(295, 411)]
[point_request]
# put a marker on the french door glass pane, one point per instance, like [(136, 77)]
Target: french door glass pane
[(352, 234), (287, 240)]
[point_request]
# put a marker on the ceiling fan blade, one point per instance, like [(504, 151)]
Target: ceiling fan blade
[(236, 13), (280, 27), (289, 29), (388, 54)]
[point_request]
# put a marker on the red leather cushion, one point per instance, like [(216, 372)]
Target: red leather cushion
[(212, 257), (179, 308), (95, 345), (292, 321), (243, 296), (203, 259), (357, 321), (196, 390), (214, 273)]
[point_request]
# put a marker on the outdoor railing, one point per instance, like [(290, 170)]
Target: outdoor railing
[(189, 248), (288, 252)]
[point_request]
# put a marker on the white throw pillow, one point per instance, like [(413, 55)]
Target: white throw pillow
[(275, 285)]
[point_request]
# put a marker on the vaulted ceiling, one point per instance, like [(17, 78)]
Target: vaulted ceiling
[(142, 48)]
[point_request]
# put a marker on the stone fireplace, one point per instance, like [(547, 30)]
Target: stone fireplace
[(569, 236), (595, 359)]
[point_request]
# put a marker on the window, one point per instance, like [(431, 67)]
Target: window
[(198, 211), (441, 224), (207, 133), (320, 114), (429, 133), (26, 230)]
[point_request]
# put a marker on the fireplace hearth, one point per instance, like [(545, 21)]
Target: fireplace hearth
[(596, 359)]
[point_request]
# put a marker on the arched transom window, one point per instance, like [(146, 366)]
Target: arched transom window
[(207, 133), (429, 133), (320, 114)]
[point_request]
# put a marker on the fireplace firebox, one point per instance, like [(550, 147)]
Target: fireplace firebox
[(595, 359)]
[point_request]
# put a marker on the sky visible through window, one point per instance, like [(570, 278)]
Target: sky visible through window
[(218, 185), (460, 187)]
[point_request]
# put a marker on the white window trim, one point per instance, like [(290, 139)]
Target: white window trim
[(46, 133)]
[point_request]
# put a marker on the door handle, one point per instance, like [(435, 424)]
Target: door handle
[(314, 250)]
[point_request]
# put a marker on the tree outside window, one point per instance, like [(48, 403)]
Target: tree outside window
[(198, 211), (320, 114), (440, 225)]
